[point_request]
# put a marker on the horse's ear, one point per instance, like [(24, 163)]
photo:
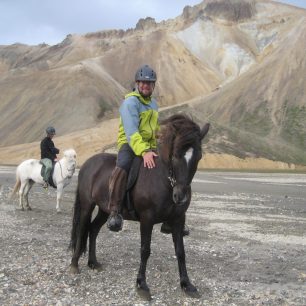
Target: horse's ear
[(205, 130)]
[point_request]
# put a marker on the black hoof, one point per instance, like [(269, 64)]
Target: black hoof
[(115, 222), (191, 291), (145, 295), (143, 290), (193, 294), (74, 269), (95, 266)]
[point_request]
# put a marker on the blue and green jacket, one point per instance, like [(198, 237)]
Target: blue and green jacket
[(138, 123)]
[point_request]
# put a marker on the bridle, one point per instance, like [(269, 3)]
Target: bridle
[(69, 171)]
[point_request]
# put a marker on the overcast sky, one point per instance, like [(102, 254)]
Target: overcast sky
[(37, 21)]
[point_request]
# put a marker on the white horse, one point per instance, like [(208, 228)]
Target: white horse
[(29, 172)]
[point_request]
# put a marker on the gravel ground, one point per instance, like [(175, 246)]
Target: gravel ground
[(243, 250)]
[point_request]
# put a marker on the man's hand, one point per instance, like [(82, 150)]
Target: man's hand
[(148, 159)]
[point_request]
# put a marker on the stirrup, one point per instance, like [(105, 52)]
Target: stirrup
[(115, 222), (45, 185)]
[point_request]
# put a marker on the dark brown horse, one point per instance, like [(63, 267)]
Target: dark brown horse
[(159, 194)]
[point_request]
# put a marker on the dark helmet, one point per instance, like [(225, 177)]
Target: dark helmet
[(50, 130), (145, 73)]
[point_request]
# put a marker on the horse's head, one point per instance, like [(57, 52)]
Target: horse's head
[(70, 161), (180, 148)]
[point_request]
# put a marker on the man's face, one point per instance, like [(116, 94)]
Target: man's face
[(51, 135), (146, 88)]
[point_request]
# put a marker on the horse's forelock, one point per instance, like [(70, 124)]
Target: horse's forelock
[(177, 134), (70, 153)]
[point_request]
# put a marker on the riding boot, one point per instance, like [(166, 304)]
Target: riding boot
[(117, 188), (167, 229)]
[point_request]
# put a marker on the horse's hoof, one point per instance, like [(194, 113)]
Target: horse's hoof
[(193, 294), (29, 208), (144, 294), (191, 291), (74, 270), (95, 266), (143, 290), (58, 211)]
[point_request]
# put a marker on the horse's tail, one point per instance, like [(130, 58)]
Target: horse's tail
[(16, 187), (76, 226)]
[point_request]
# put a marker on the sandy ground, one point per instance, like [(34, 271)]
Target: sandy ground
[(246, 247)]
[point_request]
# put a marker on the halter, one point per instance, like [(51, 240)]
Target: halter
[(69, 170)]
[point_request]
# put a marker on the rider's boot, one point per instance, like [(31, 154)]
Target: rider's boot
[(45, 185), (117, 187), (167, 229)]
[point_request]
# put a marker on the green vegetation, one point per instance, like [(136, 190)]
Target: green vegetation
[(294, 126), (104, 107), (258, 121), (244, 144)]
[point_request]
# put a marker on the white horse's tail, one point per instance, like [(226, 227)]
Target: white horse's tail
[(16, 187)]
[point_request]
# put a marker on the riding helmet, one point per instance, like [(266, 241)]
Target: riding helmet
[(50, 130), (145, 73)]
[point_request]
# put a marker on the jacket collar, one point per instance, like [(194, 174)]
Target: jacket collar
[(139, 96)]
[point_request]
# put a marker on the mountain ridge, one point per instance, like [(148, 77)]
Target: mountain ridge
[(239, 64)]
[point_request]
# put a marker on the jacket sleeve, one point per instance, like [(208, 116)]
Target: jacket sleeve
[(129, 112), (52, 148)]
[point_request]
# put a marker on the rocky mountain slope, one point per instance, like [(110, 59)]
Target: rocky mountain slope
[(239, 64)]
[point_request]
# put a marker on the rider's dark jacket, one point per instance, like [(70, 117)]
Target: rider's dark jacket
[(47, 149)]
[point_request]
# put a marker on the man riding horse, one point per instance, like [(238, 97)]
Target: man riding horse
[(136, 137), (48, 154)]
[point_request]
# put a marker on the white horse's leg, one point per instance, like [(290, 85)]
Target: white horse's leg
[(59, 194), (26, 194), (21, 193)]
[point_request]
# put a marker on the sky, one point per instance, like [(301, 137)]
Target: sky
[(49, 21)]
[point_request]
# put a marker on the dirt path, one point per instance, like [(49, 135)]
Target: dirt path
[(247, 247)]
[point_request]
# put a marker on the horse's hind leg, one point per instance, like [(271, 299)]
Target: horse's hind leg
[(26, 194), (95, 227), (81, 240), (23, 185), (146, 228)]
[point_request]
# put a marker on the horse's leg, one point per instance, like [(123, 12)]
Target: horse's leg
[(26, 194), (95, 227), (21, 193), (82, 234), (146, 228), (59, 194), (177, 236)]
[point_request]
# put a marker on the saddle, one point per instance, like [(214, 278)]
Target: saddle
[(132, 177), (43, 170)]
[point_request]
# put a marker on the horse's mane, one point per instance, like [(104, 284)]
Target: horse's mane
[(177, 133)]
